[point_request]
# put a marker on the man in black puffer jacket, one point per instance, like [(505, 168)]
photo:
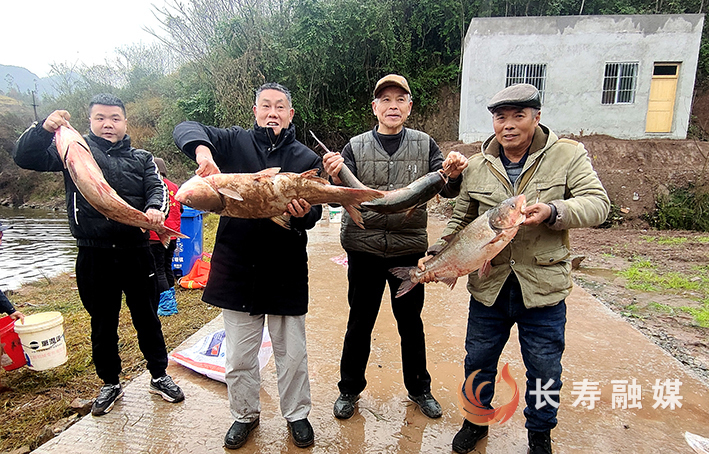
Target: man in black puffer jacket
[(259, 268), (113, 258)]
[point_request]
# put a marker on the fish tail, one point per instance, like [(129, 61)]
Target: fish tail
[(405, 274), (351, 196)]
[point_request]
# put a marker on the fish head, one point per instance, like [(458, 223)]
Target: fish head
[(198, 193), (509, 213)]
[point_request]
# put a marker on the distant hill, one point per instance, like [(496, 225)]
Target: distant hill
[(23, 80)]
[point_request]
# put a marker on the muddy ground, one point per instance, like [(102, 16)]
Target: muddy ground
[(663, 315)]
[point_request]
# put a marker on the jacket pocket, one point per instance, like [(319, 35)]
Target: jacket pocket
[(548, 191), (552, 257)]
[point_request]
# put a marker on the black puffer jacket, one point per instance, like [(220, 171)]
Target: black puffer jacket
[(257, 266), (130, 171)]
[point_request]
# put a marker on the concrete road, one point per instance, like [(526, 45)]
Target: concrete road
[(601, 348)]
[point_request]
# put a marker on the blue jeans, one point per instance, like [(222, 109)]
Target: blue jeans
[(541, 338)]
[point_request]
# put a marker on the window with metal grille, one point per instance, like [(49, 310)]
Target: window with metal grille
[(534, 74), (619, 83)]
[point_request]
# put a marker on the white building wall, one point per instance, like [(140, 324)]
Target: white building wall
[(575, 50)]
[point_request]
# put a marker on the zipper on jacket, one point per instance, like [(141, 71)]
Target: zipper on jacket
[(76, 210)]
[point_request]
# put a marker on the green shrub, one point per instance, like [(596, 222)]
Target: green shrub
[(685, 208)]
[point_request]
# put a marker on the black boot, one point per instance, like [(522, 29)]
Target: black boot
[(468, 436), (539, 442)]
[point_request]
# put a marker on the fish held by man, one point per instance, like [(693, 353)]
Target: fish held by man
[(89, 179), (400, 200), (408, 198), (470, 249), (266, 194)]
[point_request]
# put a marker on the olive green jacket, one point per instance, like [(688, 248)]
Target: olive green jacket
[(557, 171)]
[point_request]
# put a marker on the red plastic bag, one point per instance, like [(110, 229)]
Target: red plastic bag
[(199, 274)]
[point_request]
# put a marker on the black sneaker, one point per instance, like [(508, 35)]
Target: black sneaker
[(238, 433), (167, 388), (468, 436), (428, 405), (345, 405), (108, 396), (301, 432), (539, 442)]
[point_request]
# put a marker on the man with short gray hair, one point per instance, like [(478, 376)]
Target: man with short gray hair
[(528, 281), (387, 158), (245, 281)]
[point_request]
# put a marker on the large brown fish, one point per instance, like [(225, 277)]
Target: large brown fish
[(399, 200), (266, 194), (88, 178), (469, 249)]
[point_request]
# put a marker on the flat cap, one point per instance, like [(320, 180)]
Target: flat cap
[(519, 95), (391, 80)]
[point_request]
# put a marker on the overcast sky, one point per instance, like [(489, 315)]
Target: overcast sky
[(35, 34)]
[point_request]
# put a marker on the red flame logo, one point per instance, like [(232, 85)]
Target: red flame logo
[(475, 412)]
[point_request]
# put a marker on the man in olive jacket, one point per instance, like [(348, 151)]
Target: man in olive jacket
[(259, 268), (528, 281)]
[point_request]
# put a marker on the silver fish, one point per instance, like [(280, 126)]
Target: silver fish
[(469, 249)]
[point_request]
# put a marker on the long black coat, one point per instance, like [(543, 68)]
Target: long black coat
[(257, 266)]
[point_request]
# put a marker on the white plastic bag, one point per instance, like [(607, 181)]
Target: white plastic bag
[(207, 356)]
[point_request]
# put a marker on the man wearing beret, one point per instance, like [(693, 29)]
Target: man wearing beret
[(387, 158), (527, 283)]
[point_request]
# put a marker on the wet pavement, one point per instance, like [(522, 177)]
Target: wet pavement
[(601, 347)]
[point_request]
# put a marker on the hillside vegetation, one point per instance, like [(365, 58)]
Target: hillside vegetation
[(328, 52)]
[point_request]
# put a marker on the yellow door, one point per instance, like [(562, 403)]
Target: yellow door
[(662, 98)]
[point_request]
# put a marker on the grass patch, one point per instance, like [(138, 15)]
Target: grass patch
[(34, 399), (659, 307), (643, 275), (631, 310), (672, 241), (701, 315)]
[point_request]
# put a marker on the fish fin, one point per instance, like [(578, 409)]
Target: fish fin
[(164, 238), (410, 212), (232, 194), (404, 273), (172, 233), (497, 238), (448, 238), (449, 281), (312, 173), (270, 172), (355, 215), (282, 220), (484, 271)]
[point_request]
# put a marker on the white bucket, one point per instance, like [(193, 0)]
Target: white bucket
[(335, 214), (42, 337)]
